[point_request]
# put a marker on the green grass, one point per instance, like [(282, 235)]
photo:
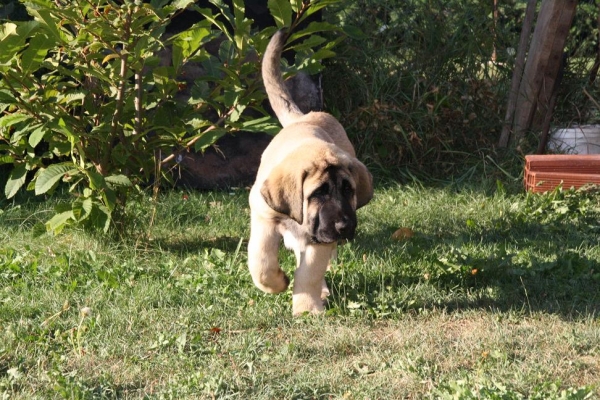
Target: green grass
[(495, 296)]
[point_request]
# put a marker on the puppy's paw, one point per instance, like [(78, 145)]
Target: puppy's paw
[(324, 291), (275, 283), (311, 312), (304, 303)]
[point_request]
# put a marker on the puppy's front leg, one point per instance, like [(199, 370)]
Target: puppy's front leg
[(309, 278), (263, 249), (324, 288)]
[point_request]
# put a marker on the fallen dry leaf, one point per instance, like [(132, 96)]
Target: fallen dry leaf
[(402, 234)]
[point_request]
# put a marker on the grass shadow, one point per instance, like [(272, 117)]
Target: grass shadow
[(184, 246), (548, 267)]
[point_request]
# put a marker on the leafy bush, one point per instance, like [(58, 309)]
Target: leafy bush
[(424, 84), (92, 93), (422, 87)]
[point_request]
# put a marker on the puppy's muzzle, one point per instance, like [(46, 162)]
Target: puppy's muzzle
[(345, 228), (328, 230)]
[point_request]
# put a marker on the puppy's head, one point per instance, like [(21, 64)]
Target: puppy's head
[(320, 189)]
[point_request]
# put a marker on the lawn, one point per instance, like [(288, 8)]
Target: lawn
[(449, 292)]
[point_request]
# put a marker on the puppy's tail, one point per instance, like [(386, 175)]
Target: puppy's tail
[(281, 101)]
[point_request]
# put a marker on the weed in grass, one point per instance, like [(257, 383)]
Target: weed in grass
[(490, 390)]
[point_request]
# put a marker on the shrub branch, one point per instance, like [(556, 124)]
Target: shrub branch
[(195, 139)]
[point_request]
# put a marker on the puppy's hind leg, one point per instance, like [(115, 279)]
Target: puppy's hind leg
[(263, 249)]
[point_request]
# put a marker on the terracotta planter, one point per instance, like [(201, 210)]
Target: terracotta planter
[(546, 172)]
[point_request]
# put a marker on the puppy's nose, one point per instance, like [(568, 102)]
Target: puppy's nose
[(344, 228)]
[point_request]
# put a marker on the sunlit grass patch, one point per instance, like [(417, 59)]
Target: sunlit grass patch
[(487, 294)]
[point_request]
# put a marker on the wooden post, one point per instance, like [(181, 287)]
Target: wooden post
[(517, 72), (543, 64)]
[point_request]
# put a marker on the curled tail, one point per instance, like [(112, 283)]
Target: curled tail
[(281, 101)]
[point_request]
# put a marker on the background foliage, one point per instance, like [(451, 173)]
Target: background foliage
[(94, 94), (422, 86)]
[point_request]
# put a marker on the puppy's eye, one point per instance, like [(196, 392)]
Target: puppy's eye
[(322, 190), (347, 188)]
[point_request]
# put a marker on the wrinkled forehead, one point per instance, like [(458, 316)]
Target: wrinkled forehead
[(334, 174)]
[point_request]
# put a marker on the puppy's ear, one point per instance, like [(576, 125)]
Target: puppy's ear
[(282, 190), (364, 183)]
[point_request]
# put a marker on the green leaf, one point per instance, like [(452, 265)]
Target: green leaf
[(180, 4), (266, 124), (323, 54), (71, 97), (14, 118), (296, 5), (238, 12), (50, 21), (18, 135), (82, 208), (35, 53), (177, 54), (100, 217), (281, 10), (207, 13), (110, 199), (58, 222), (11, 42), (50, 176), (237, 112), (312, 28), (314, 7), (12, 38), (190, 40), (354, 32), (7, 97), (310, 43), (16, 179), (6, 159), (120, 154), (7, 29), (119, 180), (223, 6), (241, 35), (37, 135), (96, 180), (231, 96), (208, 138)]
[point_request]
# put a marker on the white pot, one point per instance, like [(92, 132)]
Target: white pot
[(580, 139)]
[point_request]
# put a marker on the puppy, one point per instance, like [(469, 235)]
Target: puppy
[(307, 189)]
